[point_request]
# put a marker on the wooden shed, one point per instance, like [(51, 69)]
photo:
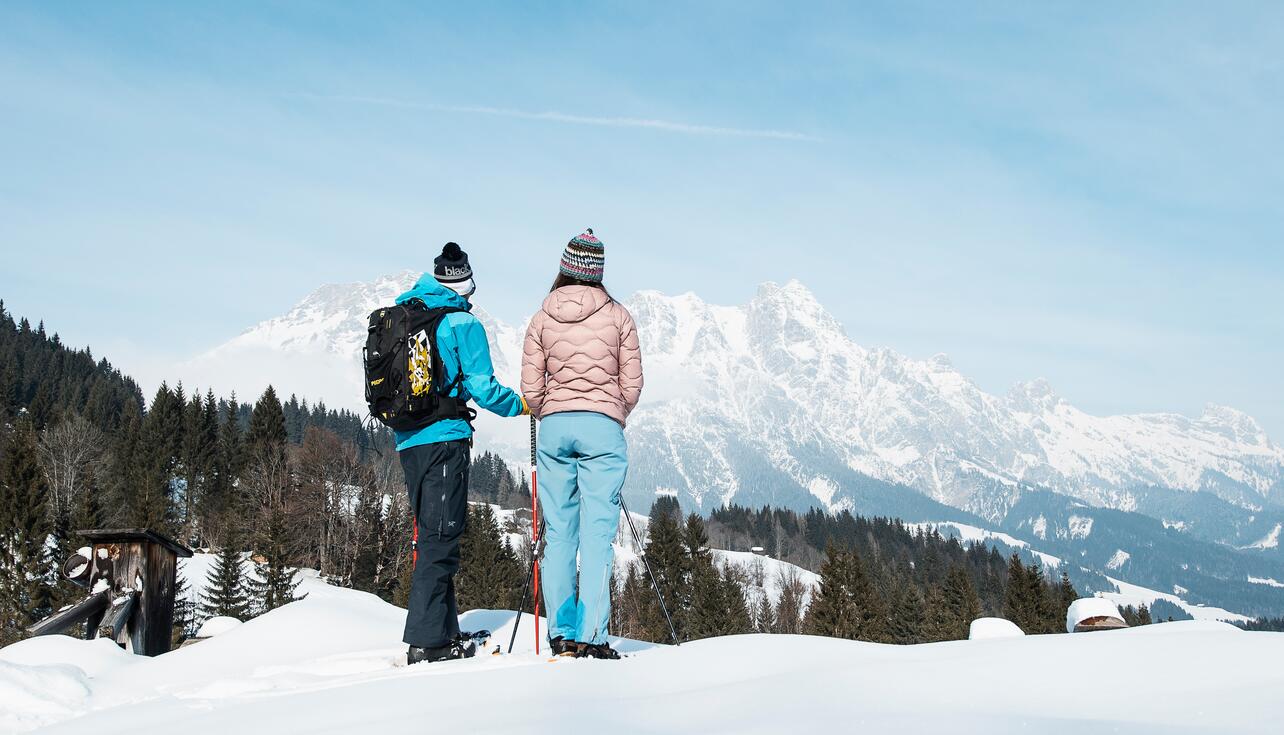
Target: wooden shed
[(130, 574)]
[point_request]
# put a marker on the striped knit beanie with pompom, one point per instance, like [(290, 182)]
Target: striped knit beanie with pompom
[(584, 258)]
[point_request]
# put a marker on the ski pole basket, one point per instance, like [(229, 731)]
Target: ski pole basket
[(130, 574)]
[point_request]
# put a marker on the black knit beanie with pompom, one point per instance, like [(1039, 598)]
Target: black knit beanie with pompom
[(452, 265)]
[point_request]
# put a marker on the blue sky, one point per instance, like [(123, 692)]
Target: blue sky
[(1085, 193)]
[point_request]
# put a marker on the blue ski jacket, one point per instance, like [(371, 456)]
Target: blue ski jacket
[(461, 340)]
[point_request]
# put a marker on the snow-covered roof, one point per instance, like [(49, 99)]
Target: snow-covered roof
[(1090, 607)]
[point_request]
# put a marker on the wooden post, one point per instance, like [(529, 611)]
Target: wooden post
[(91, 608)]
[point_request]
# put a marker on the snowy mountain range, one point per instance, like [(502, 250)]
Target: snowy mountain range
[(772, 403)]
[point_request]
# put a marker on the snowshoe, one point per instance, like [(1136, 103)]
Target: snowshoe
[(563, 646), (456, 649), (598, 650)]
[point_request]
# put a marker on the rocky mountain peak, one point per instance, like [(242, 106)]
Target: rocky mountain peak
[(771, 403)]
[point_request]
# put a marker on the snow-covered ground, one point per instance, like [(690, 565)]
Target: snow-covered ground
[(330, 664)]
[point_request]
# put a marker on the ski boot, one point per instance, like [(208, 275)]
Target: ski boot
[(456, 649), (597, 650), (563, 646)]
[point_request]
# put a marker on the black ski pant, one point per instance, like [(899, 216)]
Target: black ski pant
[(437, 481)]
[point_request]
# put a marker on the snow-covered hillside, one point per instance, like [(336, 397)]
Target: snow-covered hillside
[(772, 402), (1118, 591), (330, 664)]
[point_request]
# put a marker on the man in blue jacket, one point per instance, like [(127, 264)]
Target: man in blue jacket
[(436, 459)]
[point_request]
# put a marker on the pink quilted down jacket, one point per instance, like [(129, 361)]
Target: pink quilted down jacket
[(581, 354)]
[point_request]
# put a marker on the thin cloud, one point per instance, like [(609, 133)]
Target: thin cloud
[(559, 117)]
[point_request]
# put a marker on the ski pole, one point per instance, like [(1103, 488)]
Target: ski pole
[(521, 605), (535, 535), (654, 584)]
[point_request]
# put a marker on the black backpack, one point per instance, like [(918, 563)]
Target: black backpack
[(404, 369)]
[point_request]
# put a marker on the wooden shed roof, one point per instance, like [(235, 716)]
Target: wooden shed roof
[(107, 535)]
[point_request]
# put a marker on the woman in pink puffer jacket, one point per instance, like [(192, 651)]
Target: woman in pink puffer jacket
[(582, 377)]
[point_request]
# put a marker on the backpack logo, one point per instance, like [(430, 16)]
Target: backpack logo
[(419, 372)]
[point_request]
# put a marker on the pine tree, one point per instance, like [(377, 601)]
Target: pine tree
[(907, 616), (225, 588), (490, 576), (220, 503), (671, 567), (764, 615), (938, 622), (122, 473), (273, 585), (704, 617), (716, 604), (25, 569), (735, 618), (405, 575), (154, 460), (295, 420), (666, 505), (871, 598), (199, 449), (961, 603), (1017, 605), (268, 485), (41, 408), (1129, 615), (1066, 595), (704, 605), (832, 612), (846, 606), (185, 609), (164, 423), (368, 524), (1045, 599), (275, 582), (8, 387), (267, 426), (87, 510)]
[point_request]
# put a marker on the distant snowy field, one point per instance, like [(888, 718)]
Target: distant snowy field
[(330, 664)]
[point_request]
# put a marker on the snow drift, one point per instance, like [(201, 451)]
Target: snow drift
[(329, 664)]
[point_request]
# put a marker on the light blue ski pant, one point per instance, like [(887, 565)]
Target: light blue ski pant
[(582, 462)]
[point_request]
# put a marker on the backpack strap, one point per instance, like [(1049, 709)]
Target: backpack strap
[(448, 406)]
